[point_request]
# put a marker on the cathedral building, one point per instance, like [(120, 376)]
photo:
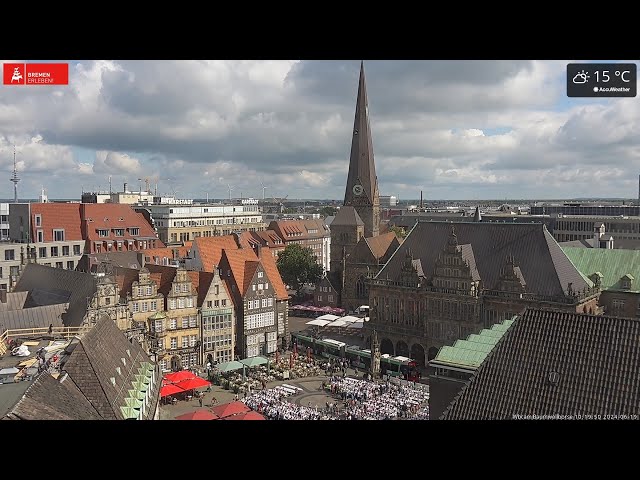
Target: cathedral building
[(358, 251)]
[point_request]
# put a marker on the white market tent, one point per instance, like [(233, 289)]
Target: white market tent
[(350, 319), (318, 323), (356, 325), (340, 322), (328, 316)]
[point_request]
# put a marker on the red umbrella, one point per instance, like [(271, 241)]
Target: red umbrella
[(193, 383), (227, 409), (245, 416), (202, 414), (179, 376), (170, 390)]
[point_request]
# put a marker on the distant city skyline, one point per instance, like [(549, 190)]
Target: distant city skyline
[(462, 130)]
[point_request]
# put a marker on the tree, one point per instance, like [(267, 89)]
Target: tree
[(328, 211), (400, 233), (298, 265)]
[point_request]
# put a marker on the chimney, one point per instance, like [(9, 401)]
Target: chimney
[(420, 198), (125, 187), (598, 233)]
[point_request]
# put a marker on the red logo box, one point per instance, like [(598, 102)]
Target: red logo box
[(36, 74), (13, 74)]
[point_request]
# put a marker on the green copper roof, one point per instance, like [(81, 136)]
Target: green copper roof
[(129, 413), (137, 394), (143, 379), (612, 264), (133, 402), (470, 353)]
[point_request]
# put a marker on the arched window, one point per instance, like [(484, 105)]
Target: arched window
[(361, 288)]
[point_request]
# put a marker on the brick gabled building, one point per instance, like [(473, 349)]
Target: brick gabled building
[(553, 364), (116, 227), (265, 238), (313, 234)]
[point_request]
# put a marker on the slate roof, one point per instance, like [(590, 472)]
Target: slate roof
[(163, 276), (94, 362), (612, 264), (469, 257), (130, 259), (556, 363), (124, 278), (57, 216), (34, 317), (543, 264), (49, 285), (15, 301), (347, 216), (50, 399)]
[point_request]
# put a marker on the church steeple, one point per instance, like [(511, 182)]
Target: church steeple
[(362, 182)]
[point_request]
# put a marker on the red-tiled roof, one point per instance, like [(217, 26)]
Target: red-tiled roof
[(237, 259), (110, 216), (64, 216), (210, 249), (299, 229), (201, 281), (270, 238), (380, 244), (271, 269)]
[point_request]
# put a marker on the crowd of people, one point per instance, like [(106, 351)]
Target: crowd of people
[(361, 400)]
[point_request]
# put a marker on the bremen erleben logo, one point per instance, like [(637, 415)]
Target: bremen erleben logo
[(17, 75)]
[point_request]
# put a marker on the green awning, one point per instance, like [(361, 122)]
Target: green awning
[(230, 366), (254, 361), (129, 413), (137, 394), (133, 402)]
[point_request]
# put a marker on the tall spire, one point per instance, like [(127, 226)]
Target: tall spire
[(362, 182)]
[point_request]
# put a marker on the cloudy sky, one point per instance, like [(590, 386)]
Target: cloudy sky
[(454, 129)]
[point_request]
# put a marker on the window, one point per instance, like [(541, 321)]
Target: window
[(15, 270), (145, 306), (224, 302), (216, 303), (176, 288), (217, 289), (209, 303), (103, 232), (173, 323), (319, 298), (174, 342), (185, 341), (38, 220), (154, 305), (65, 250), (40, 236), (70, 265), (260, 286), (160, 345), (58, 235), (58, 264), (260, 274), (192, 340), (149, 290), (189, 302), (54, 251), (9, 255), (134, 307), (618, 304), (264, 302), (266, 286), (172, 304), (181, 303), (158, 325), (42, 252), (270, 302), (185, 322), (185, 287), (76, 249), (193, 321), (119, 232), (135, 231)]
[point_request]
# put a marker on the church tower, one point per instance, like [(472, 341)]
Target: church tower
[(362, 183)]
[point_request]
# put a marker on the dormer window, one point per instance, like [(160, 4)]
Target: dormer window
[(627, 281), (103, 233), (58, 235), (134, 231), (38, 220), (119, 232)]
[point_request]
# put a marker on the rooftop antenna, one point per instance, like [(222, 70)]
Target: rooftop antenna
[(14, 177)]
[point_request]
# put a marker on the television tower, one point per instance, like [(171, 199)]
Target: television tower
[(14, 177)]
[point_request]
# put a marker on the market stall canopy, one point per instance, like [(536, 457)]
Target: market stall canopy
[(245, 416), (179, 376), (202, 414), (254, 361), (170, 389), (227, 409), (350, 318), (356, 325), (193, 383), (338, 323), (318, 323), (230, 366), (328, 316)]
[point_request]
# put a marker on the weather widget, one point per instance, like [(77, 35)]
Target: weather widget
[(601, 80)]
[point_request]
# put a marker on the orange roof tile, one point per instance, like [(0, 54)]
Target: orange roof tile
[(109, 216), (271, 269), (201, 281), (236, 259), (163, 276), (64, 216), (380, 243), (210, 249), (299, 229)]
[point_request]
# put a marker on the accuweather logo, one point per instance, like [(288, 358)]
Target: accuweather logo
[(36, 74)]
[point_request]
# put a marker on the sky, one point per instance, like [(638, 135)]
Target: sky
[(452, 129)]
